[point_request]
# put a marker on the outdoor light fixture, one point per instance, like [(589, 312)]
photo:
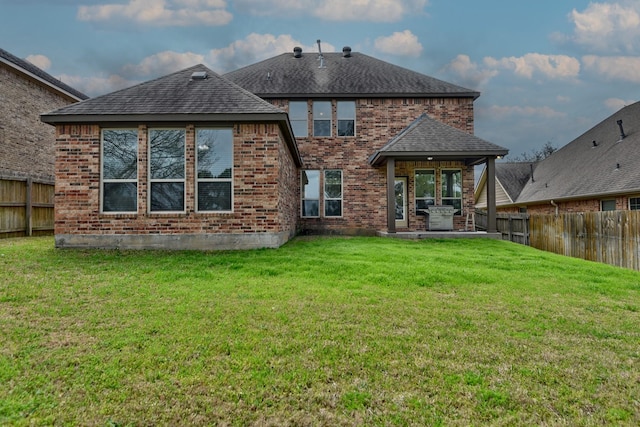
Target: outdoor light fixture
[(429, 158)]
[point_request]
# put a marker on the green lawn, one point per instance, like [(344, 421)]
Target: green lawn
[(323, 331)]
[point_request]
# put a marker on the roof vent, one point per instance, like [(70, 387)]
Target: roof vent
[(622, 135), (199, 75), (297, 52), (320, 56), (346, 52), (595, 144)]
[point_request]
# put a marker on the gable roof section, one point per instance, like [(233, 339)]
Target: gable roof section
[(178, 97), (357, 76), (429, 137), (33, 72), (582, 170), (511, 178)]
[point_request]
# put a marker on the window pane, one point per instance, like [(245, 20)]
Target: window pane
[(120, 197), (346, 118), (310, 208), (120, 154), (322, 118), (425, 184), (634, 203), (456, 203), (166, 153), (451, 183), (333, 184), (333, 207), (608, 205), (214, 196), (310, 184), (424, 203), (298, 115), (167, 196), (215, 153)]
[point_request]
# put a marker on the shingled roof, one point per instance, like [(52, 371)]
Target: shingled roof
[(339, 74), (427, 137), (596, 164), (38, 74), (195, 94)]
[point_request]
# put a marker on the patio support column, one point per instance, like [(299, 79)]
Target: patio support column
[(491, 195), (391, 195)]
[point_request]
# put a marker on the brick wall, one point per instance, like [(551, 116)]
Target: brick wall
[(26, 144), (364, 187), (264, 191)]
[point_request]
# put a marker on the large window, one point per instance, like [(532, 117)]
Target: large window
[(214, 165), (333, 193), (298, 115), (452, 189), (346, 118), (119, 170), (310, 193), (425, 189), (167, 169), (322, 118)]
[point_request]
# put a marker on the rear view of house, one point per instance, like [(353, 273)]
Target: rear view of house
[(299, 143)]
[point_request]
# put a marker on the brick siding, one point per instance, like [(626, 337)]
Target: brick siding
[(26, 143)]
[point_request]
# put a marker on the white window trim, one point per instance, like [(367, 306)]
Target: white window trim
[(330, 119), (198, 180), (629, 201), (152, 180), (103, 180), (355, 131), (306, 118)]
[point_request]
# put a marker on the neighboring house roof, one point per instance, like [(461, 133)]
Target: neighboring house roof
[(27, 68), (510, 180), (430, 137), (599, 163), (339, 74), (195, 94)]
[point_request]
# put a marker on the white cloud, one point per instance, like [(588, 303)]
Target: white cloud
[(501, 112), (164, 63), (625, 68), (39, 61), (162, 13), (256, 47), (615, 104), (551, 66), (337, 10), (608, 27), (469, 71), (94, 86), (400, 43)]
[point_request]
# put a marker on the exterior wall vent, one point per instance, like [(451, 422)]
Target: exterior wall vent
[(297, 52)]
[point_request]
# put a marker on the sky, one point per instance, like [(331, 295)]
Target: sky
[(547, 70)]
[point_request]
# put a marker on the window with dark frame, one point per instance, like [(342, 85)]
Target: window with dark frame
[(167, 170), (214, 166), (119, 171)]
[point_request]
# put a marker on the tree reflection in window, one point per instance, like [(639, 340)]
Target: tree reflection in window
[(167, 169), (119, 170), (214, 169)]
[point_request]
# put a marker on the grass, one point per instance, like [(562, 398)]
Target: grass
[(323, 331)]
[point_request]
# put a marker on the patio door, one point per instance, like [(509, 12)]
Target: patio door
[(401, 202)]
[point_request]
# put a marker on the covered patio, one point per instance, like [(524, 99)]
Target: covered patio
[(432, 142)]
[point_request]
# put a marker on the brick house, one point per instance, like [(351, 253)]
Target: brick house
[(594, 172), (26, 143), (337, 143)]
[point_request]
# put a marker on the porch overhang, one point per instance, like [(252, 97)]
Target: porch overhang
[(468, 158)]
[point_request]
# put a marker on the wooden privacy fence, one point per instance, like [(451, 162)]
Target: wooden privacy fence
[(609, 237), (26, 207), (513, 227)]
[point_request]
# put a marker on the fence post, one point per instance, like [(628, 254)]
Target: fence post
[(28, 207)]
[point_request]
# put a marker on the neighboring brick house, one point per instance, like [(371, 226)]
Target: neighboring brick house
[(26, 143), (595, 172), (345, 144)]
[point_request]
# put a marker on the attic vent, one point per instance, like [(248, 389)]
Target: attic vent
[(199, 75), (346, 52), (297, 52)]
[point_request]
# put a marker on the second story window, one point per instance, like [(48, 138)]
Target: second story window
[(322, 118), (298, 116), (346, 118)]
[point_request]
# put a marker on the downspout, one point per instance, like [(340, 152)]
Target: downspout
[(555, 205)]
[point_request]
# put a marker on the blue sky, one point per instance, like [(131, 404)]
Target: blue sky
[(547, 70)]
